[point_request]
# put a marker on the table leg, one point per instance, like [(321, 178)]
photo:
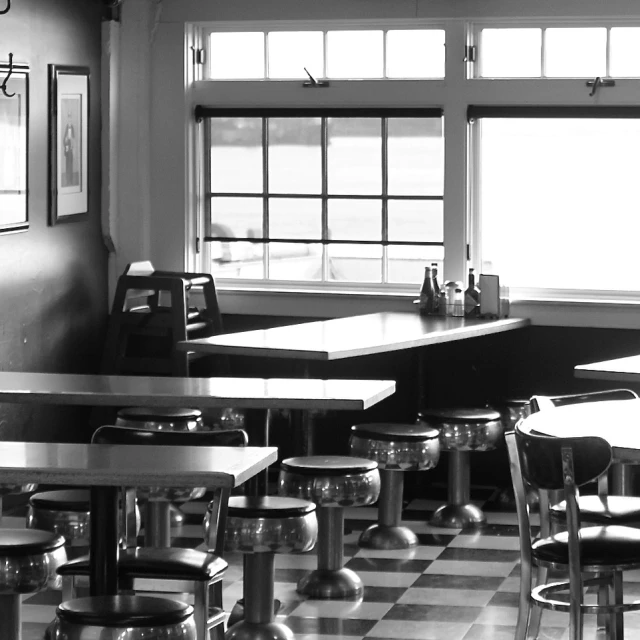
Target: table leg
[(302, 427), (421, 381), (103, 555), (257, 423)]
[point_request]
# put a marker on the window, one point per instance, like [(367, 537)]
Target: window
[(325, 196), (558, 196)]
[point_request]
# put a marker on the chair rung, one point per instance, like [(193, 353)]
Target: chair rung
[(539, 595), (216, 617)]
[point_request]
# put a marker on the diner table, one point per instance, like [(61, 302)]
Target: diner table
[(349, 337), (625, 369), (256, 395), (106, 468)]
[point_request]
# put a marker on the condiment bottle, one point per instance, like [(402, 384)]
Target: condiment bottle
[(426, 304)]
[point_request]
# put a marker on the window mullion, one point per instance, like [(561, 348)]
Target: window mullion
[(266, 252), (385, 201), (324, 141)]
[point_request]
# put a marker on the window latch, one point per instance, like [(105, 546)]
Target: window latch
[(312, 82), (470, 53), (599, 82)]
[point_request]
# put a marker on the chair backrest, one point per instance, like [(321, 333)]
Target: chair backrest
[(110, 434), (541, 458), (539, 403)]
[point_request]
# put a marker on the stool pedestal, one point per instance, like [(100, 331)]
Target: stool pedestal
[(459, 513), (387, 533), (330, 580)]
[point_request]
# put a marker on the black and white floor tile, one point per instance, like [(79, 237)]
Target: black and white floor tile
[(456, 585)]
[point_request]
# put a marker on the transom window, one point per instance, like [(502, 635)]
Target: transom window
[(337, 196), (559, 52), (338, 54)]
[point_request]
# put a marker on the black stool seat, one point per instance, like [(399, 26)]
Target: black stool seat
[(397, 432), (63, 500), (124, 611), (24, 542), (169, 414), (268, 507), (150, 562), (460, 415), (603, 546), (328, 465), (603, 509)]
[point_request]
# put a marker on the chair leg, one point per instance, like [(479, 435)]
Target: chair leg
[(535, 613), (524, 603), (615, 629)]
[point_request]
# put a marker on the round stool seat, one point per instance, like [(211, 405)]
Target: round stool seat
[(169, 419), (125, 617), (65, 512), (465, 429), (330, 481), (268, 524), (29, 559), (397, 447)]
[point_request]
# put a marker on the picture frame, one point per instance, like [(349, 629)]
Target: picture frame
[(14, 147), (68, 143)]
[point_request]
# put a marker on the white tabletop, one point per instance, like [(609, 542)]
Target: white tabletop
[(131, 465), (617, 421), (349, 337), (617, 370), (243, 393)]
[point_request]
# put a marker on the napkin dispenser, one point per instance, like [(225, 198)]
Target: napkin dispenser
[(489, 296)]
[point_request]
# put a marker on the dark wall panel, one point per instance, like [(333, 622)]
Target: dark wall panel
[(53, 280)]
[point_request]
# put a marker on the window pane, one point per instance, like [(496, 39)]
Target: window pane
[(559, 202), (510, 53), (415, 156), (355, 263), (406, 264), (236, 218), (355, 219), (575, 53), (236, 155), (415, 220), (354, 156), (295, 218), (624, 60), (295, 261), (236, 56), (295, 155), (415, 53), (291, 51), (354, 54)]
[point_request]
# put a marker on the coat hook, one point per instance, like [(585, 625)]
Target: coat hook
[(7, 9), (3, 86)]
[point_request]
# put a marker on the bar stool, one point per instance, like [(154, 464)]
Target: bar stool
[(462, 431), (259, 527), (396, 448), (332, 483), (124, 617), (160, 511), (28, 562)]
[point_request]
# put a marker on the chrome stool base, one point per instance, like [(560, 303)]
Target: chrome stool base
[(380, 536), (176, 516), (244, 630), (328, 584), (458, 516)]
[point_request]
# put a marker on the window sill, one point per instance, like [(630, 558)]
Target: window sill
[(307, 304)]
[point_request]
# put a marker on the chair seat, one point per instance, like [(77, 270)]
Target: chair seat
[(124, 611), (268, 507), (603, 509), (149, 562), (396, 432), (608, 546)]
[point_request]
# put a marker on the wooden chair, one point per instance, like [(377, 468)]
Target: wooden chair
[(595, 555)]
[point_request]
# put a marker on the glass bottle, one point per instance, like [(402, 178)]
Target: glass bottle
[(458, 304), (436, 288), (471, 296), (426, 294)]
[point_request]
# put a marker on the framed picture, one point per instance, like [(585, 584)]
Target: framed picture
[(68, 143), (14, 146)]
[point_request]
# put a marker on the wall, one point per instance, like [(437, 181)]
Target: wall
[(53, 300)]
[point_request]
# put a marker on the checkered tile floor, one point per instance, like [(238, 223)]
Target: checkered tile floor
[(456, 585)]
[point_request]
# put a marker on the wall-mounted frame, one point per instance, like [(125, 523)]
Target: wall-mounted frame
[(14, 149), (68, 143)]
